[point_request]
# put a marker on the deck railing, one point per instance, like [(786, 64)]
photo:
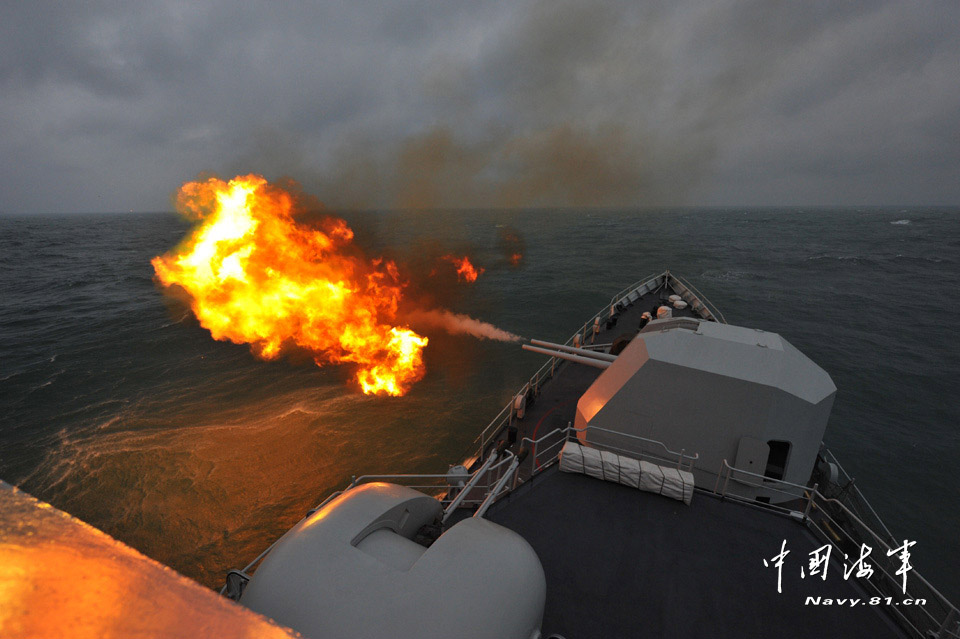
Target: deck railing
[(546, 371), (855, 500), (545, 452), (479, 489), (499, 473), (699, 296), (937, 617), (629, 289), (666, 276), (832, 521)]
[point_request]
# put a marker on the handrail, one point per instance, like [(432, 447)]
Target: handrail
[(503, 418), (470, 485), (725, 466), (700, 296), (681, 454), (890, 584), (946, 625), (629, 289), (568, 430), (498, 488), (859, 494), (950, 611), (473, 483), (811, 497), (489, 466)]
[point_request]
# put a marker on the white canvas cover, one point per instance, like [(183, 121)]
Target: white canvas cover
[(571, 458), (621, 469), (666, 481), (592, 463), (611, 466), (629, 472), (651, 478), (575, 458)]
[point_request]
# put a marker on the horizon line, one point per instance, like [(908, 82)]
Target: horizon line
[(533, 209)]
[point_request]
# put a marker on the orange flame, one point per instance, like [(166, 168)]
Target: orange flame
[(512, 245), (466, 271), (257, 275)]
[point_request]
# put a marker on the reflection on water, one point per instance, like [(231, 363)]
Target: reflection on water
[(211, 484), (202, 479)]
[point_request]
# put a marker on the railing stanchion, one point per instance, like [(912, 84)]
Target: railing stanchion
[(492, 495), (951, 620), (470, 485), (806, 511)]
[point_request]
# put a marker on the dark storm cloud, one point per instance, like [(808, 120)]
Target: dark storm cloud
[(109, 106)]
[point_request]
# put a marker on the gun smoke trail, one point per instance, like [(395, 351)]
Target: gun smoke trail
[(459, 324)]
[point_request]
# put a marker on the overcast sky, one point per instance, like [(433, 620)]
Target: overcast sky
[(110, 106)]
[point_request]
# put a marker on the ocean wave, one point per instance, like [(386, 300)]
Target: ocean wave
[(186, 315), (723, 276), (51, 378), (110, 421), (900, 222), (860, 260), (839, 258), (930, 259)]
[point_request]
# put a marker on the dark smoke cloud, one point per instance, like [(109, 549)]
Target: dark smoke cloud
[(562, 132), (107, 106), (557, 166), (617, 104)]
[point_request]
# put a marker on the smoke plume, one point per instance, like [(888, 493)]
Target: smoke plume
[(458, 324), (570, 106)]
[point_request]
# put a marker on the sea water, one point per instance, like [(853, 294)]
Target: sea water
[(117, 407)]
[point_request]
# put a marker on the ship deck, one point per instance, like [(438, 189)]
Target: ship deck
[(623, 563)]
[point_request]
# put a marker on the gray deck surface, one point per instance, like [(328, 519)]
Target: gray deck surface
[(622, 563)]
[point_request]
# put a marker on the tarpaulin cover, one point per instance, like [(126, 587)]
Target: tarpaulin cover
[(620, 469), (666, 481)]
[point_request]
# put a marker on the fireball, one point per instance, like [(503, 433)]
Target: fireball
[(466, 271), (256, 274)]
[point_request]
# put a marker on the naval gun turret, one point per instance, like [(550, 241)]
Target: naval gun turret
[(727, 392)]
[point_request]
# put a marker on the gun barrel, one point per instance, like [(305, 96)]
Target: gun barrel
[(570, 357), (583, 352)]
